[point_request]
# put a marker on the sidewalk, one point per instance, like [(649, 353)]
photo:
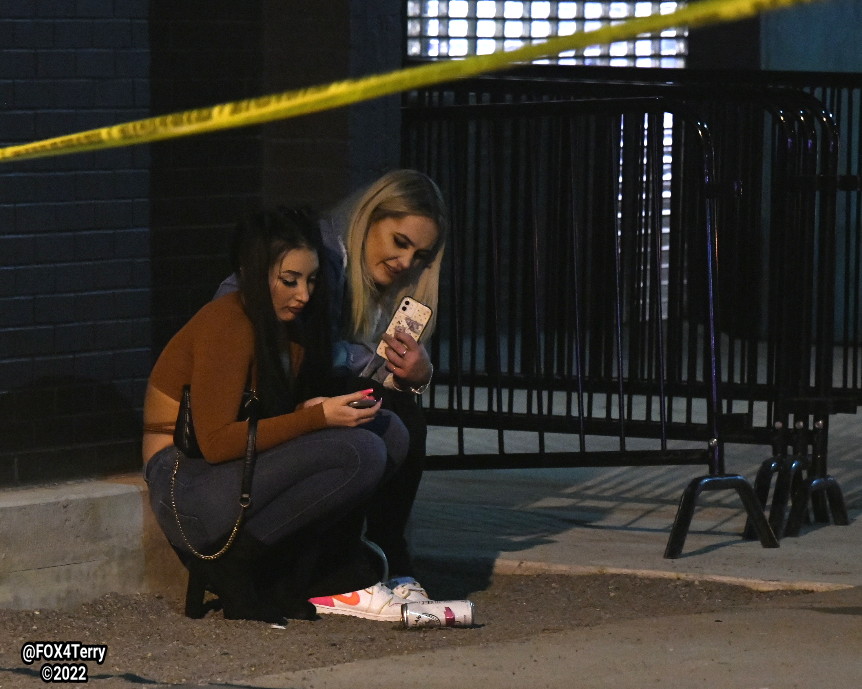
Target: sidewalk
[(617, 520), (88, 535), (812, 644)]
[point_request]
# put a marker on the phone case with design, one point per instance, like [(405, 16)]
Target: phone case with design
[(411, 316)]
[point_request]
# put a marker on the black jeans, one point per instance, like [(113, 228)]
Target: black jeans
[(390, 507)]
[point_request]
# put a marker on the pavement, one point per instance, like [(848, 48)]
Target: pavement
[(617, 520), (574, 521)]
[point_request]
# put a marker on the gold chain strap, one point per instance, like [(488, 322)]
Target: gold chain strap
[(230, 539)]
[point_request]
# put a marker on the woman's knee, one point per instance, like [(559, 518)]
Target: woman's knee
[(369, 452), (348, 460), (394, 434)]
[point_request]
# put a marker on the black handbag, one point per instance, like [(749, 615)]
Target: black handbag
[(186, 443), (184, 431)]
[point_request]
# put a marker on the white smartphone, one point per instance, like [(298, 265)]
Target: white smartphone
[(411, 316)]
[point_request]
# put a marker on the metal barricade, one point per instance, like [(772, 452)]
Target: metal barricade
[(786, 360), (579, 296)]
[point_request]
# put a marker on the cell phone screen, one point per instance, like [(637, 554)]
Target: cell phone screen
[(363, 403)]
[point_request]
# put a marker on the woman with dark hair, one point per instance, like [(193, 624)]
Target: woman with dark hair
[(319, 458)]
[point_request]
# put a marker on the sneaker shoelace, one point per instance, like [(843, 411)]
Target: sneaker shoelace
[(408, 587)]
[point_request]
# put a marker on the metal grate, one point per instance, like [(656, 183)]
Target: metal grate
[(457, 28)]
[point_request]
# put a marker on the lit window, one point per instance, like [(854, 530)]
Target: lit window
[(643, 48), (478, 27), (485, 46), (486, 29), (513, 10), (594, 10), (540, 10), (513, 29), (567, 10), (486, 9), (567, 29), (458, 47), (457, 27), (619, 10), (540, 29), (458, 8)]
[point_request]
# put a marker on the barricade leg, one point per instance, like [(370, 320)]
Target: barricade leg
[(808, 488), (762, 484), (818, 490), (685, 512), (786, 471)]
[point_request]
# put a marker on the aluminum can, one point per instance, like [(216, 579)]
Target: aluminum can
[(438, 613)]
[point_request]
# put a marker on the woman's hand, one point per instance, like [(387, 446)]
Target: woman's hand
[(338, 411), (408, 360)]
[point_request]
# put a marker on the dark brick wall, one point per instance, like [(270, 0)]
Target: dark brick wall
[(202, 54), (74, 241), (103, 256), (202, 185), (319, 158)]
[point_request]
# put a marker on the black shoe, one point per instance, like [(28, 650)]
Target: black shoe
[(231, 579)]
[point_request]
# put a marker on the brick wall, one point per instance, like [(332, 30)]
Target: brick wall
[(74, 242), (319, 158), (201, 185), (104, 256)]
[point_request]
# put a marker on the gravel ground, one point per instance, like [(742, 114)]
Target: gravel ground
[(150, 642)]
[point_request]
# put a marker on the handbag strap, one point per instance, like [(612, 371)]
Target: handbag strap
[(245, 486), (250, 452)]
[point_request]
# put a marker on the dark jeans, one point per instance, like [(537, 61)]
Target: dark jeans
[(318, 478), (389, 509)]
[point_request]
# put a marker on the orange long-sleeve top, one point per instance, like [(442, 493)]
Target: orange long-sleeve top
[(213, 354)]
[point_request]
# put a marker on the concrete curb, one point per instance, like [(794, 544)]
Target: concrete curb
[(65, 544), (505, 566), (508, 566)]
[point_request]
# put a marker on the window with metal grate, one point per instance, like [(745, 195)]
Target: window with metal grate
[(457, 28)]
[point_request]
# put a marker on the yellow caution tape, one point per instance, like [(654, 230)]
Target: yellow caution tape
[(302, 102)]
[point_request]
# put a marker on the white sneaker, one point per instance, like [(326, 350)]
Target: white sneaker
[(408, 588), (377, 602)]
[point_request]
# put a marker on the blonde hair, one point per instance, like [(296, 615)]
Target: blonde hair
[(396, 194)]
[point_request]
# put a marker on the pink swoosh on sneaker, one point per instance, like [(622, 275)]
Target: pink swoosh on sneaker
[(322, 600), (351, 598)]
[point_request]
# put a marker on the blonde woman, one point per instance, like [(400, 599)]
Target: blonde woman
[(390, 247)]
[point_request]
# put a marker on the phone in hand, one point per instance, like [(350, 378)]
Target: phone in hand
[(364, 403), (411, 316)]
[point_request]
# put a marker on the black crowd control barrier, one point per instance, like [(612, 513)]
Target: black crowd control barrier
[(582, 283), (567, 306)]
